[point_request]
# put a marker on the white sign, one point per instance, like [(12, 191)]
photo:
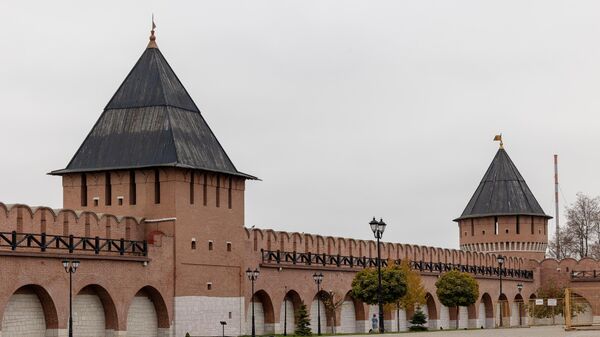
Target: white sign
[(539, 301), (552, 302)]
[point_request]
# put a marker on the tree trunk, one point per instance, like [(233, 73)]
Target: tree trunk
[(457, 313)]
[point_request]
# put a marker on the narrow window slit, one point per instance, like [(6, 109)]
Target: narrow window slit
[(84, 198), (218, 191), (132, 188), (156, 187), (107, 190), (192, 187), (205, 190)]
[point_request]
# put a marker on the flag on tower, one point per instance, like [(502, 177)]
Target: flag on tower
[(498, 138)]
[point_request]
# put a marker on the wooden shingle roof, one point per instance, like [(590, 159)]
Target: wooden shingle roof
[(151, 121), (502, 191)]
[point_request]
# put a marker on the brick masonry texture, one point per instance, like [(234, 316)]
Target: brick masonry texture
[(192, 275)]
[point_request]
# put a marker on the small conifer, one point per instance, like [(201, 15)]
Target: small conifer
[(418, 320), (302, 322)]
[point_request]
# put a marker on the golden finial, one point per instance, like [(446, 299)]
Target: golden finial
[(498, 138), (152, 43)]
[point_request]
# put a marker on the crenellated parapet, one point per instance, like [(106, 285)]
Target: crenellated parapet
[(25, 219), (32, 231), (569, 270), (270, 240)]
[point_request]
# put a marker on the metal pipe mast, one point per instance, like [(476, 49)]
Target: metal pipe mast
[(556, 219)]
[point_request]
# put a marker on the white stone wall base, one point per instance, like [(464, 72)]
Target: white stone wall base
[(287, 317), (463, 318), (49, 333), (473, 323), (165, 332), (433, 324), (595, 319), (362, 326), (141, 318), (269, 328), (403, 320), (23, 308), (58, 332), (482, 320), (514, 314), (200, 315), (389, 325), (444, 321)]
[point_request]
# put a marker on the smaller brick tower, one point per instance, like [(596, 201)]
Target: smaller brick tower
[(503, 216)]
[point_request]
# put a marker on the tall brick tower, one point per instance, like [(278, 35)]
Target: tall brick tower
[(503, 216), (152, 155)]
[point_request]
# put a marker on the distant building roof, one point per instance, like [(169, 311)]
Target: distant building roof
[(502, 191), (151, 121)]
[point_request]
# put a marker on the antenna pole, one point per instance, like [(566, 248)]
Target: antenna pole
[(556, 219)]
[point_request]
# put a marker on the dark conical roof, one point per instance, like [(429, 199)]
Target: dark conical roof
[(151, 121), (502, 191)]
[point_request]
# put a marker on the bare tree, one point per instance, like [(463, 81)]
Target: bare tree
[(568, 244), (333, 301), (583, 219)]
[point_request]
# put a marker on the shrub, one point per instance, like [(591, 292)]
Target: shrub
[(418, 320)]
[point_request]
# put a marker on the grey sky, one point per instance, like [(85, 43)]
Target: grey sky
[(345, 109)]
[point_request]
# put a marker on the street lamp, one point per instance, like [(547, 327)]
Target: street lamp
[(70, 267), (285, 312), (223, 324), (378, 227), (500, 263), (318, 279), (253, 276), (520, 287)]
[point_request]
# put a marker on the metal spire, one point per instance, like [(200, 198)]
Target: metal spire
[(152, 43)]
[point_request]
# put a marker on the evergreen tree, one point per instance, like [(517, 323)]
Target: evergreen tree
[(418, 320), (302, 322)]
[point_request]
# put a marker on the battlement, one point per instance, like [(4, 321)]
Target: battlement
[(64, 222), (47, 232), (270, 240)]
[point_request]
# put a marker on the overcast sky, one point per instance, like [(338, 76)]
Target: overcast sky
[(345, 109)]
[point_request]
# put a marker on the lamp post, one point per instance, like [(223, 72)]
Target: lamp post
[(520, 287), (285, 312), (253, 276), (70, 267), (223, 324), (500, 263), (378, 227), (318, 279)]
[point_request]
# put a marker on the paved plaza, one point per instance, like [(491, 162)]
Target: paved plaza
[(545, 331)]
